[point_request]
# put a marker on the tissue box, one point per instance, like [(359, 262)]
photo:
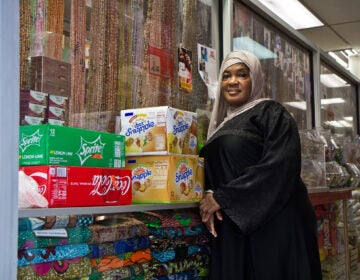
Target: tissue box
[(159, 130), (166, 178), (68, 146), (71, 186)]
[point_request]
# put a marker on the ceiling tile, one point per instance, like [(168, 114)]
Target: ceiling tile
[(335, 11), (324, 38), (350, 32)]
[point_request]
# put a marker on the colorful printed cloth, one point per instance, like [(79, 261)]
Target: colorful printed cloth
[(170, 218), (164, 244), (126, 259), (55, 222), (107, 229), (118, 247), (186, 275), (198, 262), (131, 272), (65, 269), (180, 253), (172, 232), (76, 235), (116, 227), (53, 253)]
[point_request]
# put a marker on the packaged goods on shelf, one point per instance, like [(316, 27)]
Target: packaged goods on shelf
[(336, 175), (312, 159), (67, 146), (40, 108), (50, 75), (72, 186), (354, 172), (159, 130), (166, 178)]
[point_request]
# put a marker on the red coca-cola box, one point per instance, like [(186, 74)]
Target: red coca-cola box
[(72, 186)]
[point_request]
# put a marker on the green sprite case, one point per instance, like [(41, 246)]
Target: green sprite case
[(47, 144)]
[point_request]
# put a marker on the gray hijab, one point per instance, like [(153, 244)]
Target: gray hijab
[(222, 112)]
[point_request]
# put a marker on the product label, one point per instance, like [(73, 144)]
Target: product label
[(27, 141), (92, 149), (60, 233)]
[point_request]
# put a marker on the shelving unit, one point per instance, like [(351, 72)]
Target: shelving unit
[(40, 212), (325, 196)]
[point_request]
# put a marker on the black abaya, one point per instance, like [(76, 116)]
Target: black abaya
[(253, 164)]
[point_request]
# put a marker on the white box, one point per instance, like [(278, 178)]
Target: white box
[(159, 131)]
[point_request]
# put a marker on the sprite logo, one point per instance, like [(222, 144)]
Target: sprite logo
[(92, 149), (30, 140)]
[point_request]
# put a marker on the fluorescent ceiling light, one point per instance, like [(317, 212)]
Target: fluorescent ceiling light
[(328, 101), (332, 81), (247, 44), (334, 123), (349, 119), (345, 123), (297, 104), (338, 59), (292, 12)]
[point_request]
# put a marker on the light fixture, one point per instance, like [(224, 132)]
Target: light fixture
[(328, 101), (297, 104), (292, 12), (349, 118), (332, 81), (338, 59), (247, 44)]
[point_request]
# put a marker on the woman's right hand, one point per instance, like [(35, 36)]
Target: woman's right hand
[(209, 207)]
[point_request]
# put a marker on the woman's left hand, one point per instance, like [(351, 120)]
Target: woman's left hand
[(209, 207)]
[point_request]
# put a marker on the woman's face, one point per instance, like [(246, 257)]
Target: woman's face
[(236, 84)]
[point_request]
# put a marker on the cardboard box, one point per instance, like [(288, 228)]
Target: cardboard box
[(50, 75), (166, 178), (32, 96), (72, 186), (159, 131), (68, 146), (30, 120)]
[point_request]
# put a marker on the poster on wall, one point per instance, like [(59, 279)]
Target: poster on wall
[(161, 63), (207, 68), (185, 70)]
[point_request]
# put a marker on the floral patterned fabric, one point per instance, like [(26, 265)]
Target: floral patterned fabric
[(52, 253), (126, 259), (64, 269), (118, 247)]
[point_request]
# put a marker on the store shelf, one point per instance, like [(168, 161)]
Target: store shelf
[(324, 196), (40, 212)]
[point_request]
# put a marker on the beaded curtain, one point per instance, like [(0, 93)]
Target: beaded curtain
[(121, 34)]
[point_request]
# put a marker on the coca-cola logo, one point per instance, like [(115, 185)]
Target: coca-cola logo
[(41, 179), (104, 184)]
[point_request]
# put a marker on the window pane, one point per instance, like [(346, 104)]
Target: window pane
[(286, 65), (338, 103)]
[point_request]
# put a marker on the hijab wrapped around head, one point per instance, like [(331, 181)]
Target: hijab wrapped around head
[(222, 112)]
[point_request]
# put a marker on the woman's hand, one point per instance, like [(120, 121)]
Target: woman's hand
[(209, 207)]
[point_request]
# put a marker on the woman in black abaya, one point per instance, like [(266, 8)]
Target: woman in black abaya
[(256, 205)]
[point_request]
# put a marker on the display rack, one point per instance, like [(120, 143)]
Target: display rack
[(40, 212), (325, 195), (331, 195)]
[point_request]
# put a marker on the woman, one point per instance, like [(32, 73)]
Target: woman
[(256, 206)]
